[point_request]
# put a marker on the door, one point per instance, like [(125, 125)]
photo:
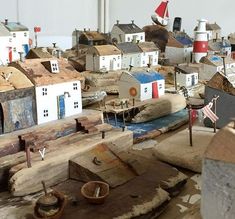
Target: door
[(26, 48), (193, 80), (111, 64), (150, 61), (155, 90), (61, 106), (10, 54)]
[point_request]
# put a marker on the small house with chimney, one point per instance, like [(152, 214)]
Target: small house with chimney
[(131, 54), (122, 33), (186, 75), (92, 38), (57, 87), (214, 63), (103, 58), (20, 39), (222, 84), (39, 52), (5, 45), (179, 48), (141, 85), (221, 47), (149, 55), (17, 100)]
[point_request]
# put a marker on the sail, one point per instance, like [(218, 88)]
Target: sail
[(162, 10)]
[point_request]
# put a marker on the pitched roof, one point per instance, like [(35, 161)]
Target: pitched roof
[(39, 52), (215, 60), (147, 77), (172, 42), (129, 28), (213, 26), (129, 47), (39, 75), (92, 35), (219, 44), (231, 37), (4, 31), (104, 50), (12, 79), (148, 46), (186, 69), (14, 27)]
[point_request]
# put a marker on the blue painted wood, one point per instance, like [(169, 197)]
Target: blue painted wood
[(61, 107), (26, 48)]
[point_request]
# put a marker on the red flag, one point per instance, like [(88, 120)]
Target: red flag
[(37, 29)]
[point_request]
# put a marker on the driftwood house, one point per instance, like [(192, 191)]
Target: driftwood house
[(223, 86), (103, 58), (212, 64), (121, 33), (141, 85), (131, 55), (39, 52), (17, 100), (92, 38), (57, 87), (5, 45), (149, 55), (222, 47), (179, 48)]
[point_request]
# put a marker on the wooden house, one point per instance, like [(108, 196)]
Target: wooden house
[(212, 64), (17, 100), (186, 75), (179, 48), (131, 54), (222, 47), (141, 85), (103, 58), (5, 45), (149, 55), (213, 31), (20, 39), (57, 87), (92, 38), (121, 33), (223, 86), (39, 52)]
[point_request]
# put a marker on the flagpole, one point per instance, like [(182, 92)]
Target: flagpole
[(190, 124)]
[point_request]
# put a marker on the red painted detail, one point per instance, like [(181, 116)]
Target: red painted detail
[(233, 55), (10, 54), (162, 10), (193, 116), (37, 29), (155, 90), (200, 46)]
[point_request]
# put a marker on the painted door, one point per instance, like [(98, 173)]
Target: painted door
[(155, 90), (26, 48), (10, 54), (193, 80), (61, 106)]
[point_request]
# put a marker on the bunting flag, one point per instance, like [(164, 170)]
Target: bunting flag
[(37, 29), (209, 113)]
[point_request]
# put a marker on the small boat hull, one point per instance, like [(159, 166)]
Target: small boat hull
[(159, 20)]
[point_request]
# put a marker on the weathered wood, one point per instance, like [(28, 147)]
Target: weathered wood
[(54, 168)]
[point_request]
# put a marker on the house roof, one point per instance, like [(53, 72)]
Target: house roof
[(147, 77), (12, 79), (209, 26), (129, 47), (218, 45), (231, 38), (148, 46), (186, 41), (186, 69), (215, 60), (129, 28), (4, 31), (39, 52), (92, 35), (179, 39), (14, 27), (104, 50), (172, 42), (40, 76)]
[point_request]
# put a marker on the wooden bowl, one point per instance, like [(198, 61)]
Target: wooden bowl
[(95, 192)]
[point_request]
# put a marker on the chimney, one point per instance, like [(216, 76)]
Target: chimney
[(132, 21), (21, 56), (84, 29), (117, 22), (6, 21)]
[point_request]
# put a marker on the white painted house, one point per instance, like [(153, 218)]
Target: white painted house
[(221, 46), (141, 85), (5, 45), (121, 33), (131, 54), (186, 76), (179, 48), (149, 55), (20, 39), (57, 87), (212, 64), (103, 58)]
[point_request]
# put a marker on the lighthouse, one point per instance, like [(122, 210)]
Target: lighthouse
[(200, 45)]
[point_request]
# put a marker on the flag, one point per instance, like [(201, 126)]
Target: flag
[(209, 113), (37, 29)]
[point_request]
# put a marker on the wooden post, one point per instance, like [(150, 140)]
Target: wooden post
[(175, 82), (28, 157), (123, 118), (190, 124), (103, 134), (133, 101), (115, 116), (107, 116), (214, 106)]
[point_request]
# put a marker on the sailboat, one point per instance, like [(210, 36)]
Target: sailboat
[(161, 15)]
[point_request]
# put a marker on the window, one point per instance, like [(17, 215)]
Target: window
[(25, 34), (155, 60), (128, 39), (75, 86), (14, 34), (44, 91), (145, 90), (188, 79), (10, 40), (118, 65), (103, 58), (143, 62), (160, 86), (141, 37), (118, 57), (75, 105), (45, 113), (14, 49), (54, 67)]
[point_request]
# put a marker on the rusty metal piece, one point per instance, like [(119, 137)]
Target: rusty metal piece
[(96, 161)]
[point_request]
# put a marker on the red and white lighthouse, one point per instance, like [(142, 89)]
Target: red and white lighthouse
[(200, 45)]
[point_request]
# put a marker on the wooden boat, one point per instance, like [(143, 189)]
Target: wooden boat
[(161, 16), (53, 206)]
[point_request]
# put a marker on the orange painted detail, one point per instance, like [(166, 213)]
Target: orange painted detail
[(133, 91), (155, 90)]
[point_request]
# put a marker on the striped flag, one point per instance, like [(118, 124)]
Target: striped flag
[(209, 113)]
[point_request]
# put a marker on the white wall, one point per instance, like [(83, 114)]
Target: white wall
[(58, 18)]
